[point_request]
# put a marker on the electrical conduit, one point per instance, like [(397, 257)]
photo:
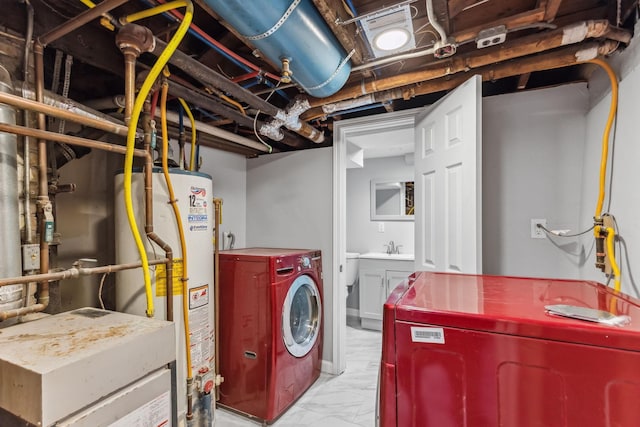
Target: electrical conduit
[(131, 136)]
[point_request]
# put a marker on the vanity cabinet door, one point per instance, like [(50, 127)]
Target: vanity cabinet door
[(394, 278), (373, 293)]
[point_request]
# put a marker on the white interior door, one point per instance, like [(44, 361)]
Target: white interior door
[(448, 197)]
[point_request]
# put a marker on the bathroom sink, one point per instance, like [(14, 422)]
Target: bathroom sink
[(384, 255)]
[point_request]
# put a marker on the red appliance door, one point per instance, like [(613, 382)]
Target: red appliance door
[(301, 316)]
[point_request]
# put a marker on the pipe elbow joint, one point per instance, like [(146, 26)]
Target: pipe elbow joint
[(272, 130)]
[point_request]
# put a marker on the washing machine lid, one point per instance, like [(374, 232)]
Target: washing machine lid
[(301, 316), (517, 306)]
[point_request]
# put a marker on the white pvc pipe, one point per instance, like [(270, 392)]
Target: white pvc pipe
[(217, 132)]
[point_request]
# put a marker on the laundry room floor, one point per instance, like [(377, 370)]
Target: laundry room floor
[(346, 400)]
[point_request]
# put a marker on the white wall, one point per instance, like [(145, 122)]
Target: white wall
[(289, 205), (533, 145), (229, 173), (362, 233), (622, 197)]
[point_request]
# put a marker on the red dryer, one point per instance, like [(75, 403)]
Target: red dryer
[(478, 351), (270, 328)]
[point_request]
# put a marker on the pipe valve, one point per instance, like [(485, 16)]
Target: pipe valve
[(600, 235), (286, 71)]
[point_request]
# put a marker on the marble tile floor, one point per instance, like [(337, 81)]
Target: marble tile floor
[(346, 400)]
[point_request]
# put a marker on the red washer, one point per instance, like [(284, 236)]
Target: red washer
[(270, 328), (477, 351)]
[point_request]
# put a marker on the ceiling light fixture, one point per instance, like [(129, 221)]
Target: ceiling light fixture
[(390, 31), (391, 39)]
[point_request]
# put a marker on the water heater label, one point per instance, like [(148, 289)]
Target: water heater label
[(427, 335), (198, 297), (200, 334)]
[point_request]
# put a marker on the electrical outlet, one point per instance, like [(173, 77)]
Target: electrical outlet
[(381, 227), (537, 232)]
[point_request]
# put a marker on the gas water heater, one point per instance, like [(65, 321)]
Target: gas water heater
[(193, 191)]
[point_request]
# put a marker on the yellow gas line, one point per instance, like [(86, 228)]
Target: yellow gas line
[(194, 140), (607, 131), (131, 139), (176, 213)]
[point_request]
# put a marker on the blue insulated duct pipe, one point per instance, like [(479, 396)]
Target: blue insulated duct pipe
[(291, 30)]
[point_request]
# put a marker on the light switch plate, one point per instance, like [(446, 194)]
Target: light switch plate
[(381, 227)]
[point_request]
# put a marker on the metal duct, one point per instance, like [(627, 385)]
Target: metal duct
[(10, 260), (293, 31)]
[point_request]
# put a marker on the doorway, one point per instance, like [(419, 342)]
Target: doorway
[(448, 168)]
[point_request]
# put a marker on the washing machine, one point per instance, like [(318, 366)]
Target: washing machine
[(270, 328), (476, 351)]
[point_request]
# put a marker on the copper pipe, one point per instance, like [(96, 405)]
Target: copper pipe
[(77, 22), (76, 271), (35, 308), (148, 210), (68, 139), (43, 184), (216, 288), (129, 83), (27, 104), (521, 47)]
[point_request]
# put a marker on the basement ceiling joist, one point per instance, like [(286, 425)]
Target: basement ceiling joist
[(532, 36)]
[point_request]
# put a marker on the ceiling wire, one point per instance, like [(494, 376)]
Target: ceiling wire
[(255, 121)]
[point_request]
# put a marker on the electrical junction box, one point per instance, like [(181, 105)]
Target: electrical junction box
[(491, 36), (87, 367), (30, 257)]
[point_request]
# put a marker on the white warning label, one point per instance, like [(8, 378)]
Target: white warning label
[(199, 327)]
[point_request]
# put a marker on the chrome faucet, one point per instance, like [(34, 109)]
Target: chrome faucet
[(392, 248)]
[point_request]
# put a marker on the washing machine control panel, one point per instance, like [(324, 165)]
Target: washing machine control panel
[(305, 262)]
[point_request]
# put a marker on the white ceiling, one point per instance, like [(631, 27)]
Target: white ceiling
[(387, 143)]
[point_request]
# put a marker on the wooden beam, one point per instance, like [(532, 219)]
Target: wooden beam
[(523, 80), (551, 9), (519, 20), (441, 12), (331, 10)]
